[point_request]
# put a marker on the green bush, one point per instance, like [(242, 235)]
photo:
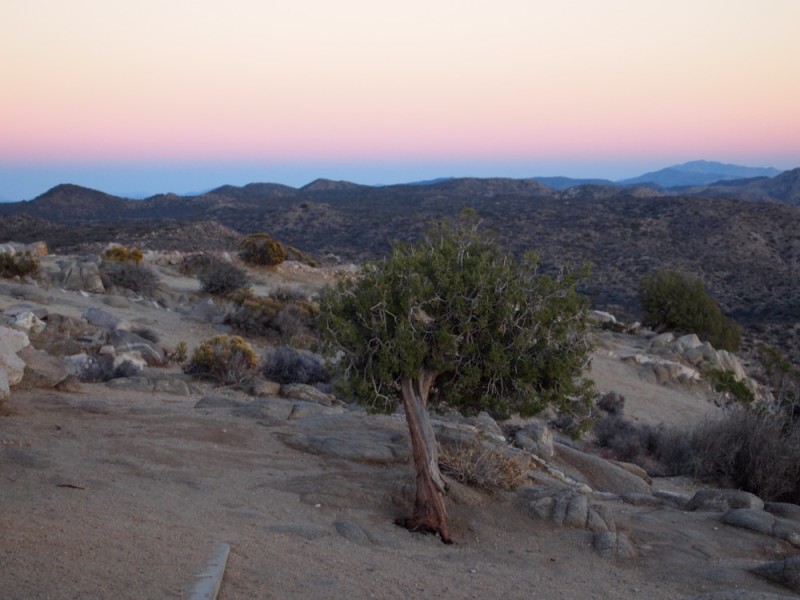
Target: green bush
[(725, 382), (260, 249), (18, 265), (224, 359), (675, 301)]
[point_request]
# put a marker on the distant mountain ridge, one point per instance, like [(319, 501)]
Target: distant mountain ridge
[(784, 188), (699, 172), (692, 173)]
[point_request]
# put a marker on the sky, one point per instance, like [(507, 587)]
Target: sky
[(136, 97)]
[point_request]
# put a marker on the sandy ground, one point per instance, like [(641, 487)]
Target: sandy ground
[(119, 494), (127, 499)]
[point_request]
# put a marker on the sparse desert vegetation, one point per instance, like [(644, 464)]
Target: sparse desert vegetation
[(18, 265)]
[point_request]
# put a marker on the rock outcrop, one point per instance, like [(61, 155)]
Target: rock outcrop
[(12, 367)]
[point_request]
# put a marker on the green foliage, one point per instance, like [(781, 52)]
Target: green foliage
[(725, 382), (676, 301), (18, 265), (498, 335), (224, 359), (261, 249)]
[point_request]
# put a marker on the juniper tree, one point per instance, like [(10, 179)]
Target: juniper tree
[(453, 322)]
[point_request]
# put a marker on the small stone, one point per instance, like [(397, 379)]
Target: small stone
[(723, 500), (746, 518)]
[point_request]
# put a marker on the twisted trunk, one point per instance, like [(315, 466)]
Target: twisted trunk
[(429, 514)]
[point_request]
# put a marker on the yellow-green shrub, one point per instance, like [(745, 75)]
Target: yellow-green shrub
[(261, 249), (224, 359), (121, 254), (283, 319), (18, 265)]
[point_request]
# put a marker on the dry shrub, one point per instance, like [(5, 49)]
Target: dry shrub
[(224, 359), (18, 265), (630, 442), (613, 403), (251, 314), (181, 353), (149, 334), (480, 465), (285, 364), (756, 452), (121, 254), (220, 277), (627, 440), (289, 321), (192, 264), (130, 276), (260, 249)]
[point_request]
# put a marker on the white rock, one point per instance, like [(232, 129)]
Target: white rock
[(13, 339), (133, 357), (688, 341), (29, 322), (11, 342), (600, 316), (77, 362), (662, 340)]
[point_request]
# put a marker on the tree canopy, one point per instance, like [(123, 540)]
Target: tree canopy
[(454, 322), (500, 335)]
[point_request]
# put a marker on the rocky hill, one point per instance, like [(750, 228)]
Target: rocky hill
[(783, 188)]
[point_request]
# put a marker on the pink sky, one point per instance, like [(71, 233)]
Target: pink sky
[(604, 88)]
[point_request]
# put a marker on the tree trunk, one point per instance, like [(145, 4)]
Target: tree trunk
[(429, 514)]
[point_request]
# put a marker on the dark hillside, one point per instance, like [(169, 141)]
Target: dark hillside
[(748, 253), (783, 188)]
